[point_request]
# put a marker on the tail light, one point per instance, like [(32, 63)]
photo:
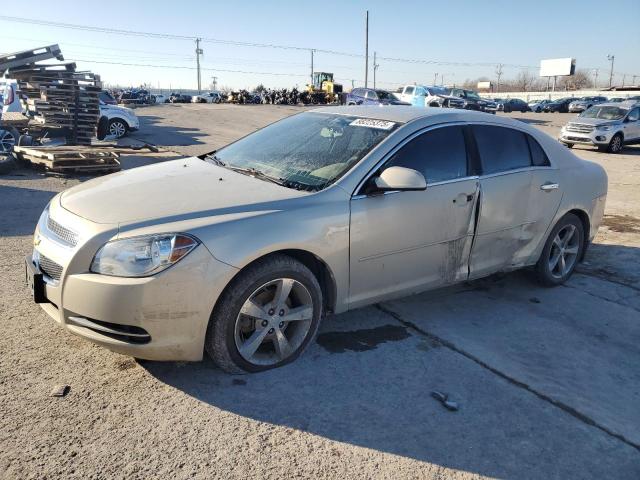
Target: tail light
[(9, 95)]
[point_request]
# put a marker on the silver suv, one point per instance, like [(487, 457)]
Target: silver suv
[(608, 126)]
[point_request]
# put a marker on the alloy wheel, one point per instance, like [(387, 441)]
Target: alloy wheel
[(616, 144), (7, 141), (117, 129), (564, 251), (274, 322)]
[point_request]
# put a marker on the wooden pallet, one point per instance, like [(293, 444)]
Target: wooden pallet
[(71, 158), (58, 96)]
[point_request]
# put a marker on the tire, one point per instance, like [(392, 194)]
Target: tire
[(8, 139), (7, 164), (569, 145), (229, 329), (616, 144), (118, 127), (564, 246)]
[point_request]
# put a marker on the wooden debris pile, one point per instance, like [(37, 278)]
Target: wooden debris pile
[(57, 96)]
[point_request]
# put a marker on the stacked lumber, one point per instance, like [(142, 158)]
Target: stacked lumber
[(58, 96), (67, 159)]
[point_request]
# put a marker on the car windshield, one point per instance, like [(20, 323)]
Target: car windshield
[(605, 113), (473, 95), (307, 151)]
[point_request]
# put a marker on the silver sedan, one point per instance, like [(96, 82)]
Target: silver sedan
[(242, 252)]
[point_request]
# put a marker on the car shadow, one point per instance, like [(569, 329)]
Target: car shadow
[(368, 379), (532, 121), (155, 132), (27, 205)]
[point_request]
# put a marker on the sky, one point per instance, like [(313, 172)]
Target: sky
[(439, 41)]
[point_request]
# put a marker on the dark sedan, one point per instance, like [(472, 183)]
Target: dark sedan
[(514, 105), (369, 96), (561, 105)]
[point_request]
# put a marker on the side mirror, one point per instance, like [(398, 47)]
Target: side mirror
[(400, 178)]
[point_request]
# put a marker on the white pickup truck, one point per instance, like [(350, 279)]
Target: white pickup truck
[(423, 96)]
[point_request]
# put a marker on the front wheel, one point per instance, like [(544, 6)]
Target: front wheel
[(616, 144), (266, 317), (561, 252), (117, 128)]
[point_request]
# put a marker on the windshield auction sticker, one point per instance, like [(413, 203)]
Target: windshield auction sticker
[(371, 123)]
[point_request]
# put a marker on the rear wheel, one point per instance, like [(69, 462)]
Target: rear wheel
[(266, 317), (561, 252), (8, 139)]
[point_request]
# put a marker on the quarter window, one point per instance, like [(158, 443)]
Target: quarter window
[(538, 157), (438, 154), (409, 90), (634, 116), (501, 149)]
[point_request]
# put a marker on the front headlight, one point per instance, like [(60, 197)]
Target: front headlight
[(604, 128), (142, 256)]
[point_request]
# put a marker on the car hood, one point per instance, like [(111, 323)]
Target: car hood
[(179, 189)]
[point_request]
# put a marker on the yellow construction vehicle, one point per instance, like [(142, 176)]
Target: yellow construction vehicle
[(324, 89)]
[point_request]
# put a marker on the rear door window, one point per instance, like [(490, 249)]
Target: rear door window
[(439, 154), (501, 149)]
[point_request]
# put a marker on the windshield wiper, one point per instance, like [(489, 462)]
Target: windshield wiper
[(253, 172), (214, 159)]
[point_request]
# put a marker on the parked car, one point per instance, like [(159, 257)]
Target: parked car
[(472, 101), (105, 97), (421, 96), (179, 98), (538, 105), (207, 97), (159, 98), (491, 106), (583, 103), (514, 105), (241, 255), (369, 96), (122, 120), (135, 96), (561, 105), (608, 126)]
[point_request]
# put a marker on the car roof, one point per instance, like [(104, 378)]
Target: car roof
[(406, 114)]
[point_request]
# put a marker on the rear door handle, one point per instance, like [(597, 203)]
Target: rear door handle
[(547, 187)]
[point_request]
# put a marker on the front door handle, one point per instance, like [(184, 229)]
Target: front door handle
[(547, 187)]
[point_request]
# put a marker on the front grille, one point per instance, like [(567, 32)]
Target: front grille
[(67, 236), (49, 267), (579, 128)]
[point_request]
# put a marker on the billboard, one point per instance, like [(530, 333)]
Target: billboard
[(484, 85), (557, 67)]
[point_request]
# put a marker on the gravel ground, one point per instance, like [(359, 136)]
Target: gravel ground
[(547, 379)]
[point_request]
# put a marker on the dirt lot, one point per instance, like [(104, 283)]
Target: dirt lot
[(547, 379)]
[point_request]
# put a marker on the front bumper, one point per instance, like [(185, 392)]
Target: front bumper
[(595, 138), (162, 317)]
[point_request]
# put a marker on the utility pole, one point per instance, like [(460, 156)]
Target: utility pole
[(595, 78), (624, 77), (375, 67), (312, 50), (353, 84), (366, 50), (611, 58), (435, 79), (198, 53), (499, 75), (214, 83)]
